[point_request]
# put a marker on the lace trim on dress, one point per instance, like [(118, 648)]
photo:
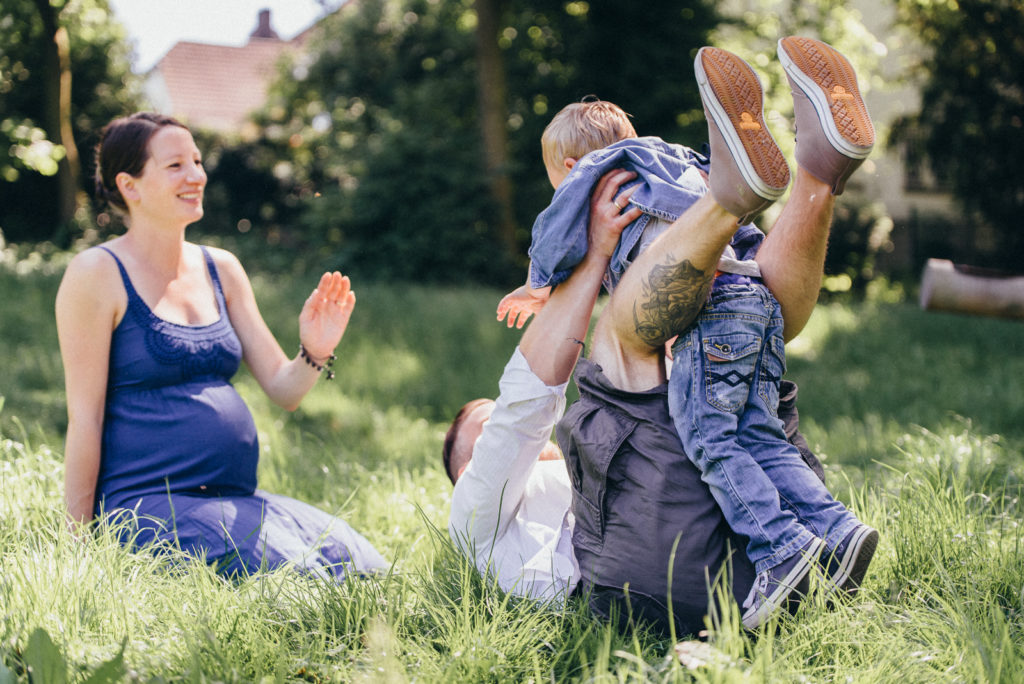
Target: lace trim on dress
[(212, 349)]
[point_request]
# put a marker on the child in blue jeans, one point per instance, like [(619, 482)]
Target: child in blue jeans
[(727, 365)]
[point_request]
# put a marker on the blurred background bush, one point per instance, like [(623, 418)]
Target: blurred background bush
[(401, 143)]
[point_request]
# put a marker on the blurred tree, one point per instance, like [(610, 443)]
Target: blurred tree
[(55, 78), (383, 123), (491, 91), (638, 55), (46, 116), (380, 131), (970, 128)]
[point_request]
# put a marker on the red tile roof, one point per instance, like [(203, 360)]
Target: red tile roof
[(216, 86)]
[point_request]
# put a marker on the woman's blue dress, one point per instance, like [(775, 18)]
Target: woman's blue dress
[(180, 450)]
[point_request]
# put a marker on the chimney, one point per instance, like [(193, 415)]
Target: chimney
[(263, 29)]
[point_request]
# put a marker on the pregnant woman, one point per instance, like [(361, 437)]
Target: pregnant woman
[(152, 328)]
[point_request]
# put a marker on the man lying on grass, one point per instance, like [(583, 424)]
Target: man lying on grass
[(511, 508), (641, 516), (511, 505)]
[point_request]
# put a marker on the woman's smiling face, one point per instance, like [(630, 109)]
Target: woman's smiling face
[(173, 179)]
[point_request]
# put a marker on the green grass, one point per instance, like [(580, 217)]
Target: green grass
[(915, 414)]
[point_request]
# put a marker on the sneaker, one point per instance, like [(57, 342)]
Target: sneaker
[(776, 587), (748, 170), (846, 566), (834, 133)]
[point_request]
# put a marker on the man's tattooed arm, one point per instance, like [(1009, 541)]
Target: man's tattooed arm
[(671, 298)]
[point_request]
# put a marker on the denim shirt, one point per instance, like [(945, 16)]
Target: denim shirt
[(671, 179)]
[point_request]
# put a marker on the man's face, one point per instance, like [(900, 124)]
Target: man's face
[(469, 432)]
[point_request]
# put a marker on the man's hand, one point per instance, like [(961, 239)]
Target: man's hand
[(610, 212)]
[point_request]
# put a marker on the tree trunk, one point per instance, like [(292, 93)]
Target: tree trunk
[(491, 91), (56, 122)]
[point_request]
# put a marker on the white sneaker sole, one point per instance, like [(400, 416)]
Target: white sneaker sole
[(854, 562), (810, 554)]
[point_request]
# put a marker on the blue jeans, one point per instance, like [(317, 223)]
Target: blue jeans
[(723, 395)]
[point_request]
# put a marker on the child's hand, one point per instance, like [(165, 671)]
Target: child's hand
[(521, 303)]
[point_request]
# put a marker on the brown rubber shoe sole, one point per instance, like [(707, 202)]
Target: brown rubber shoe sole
[(830, 83), (734, 103)]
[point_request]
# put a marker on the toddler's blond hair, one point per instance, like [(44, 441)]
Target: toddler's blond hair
[(583, 127)]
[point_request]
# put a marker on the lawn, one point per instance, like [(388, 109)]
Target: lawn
[(918, 417)]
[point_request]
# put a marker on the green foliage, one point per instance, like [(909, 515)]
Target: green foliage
[(43, 662), (29, 333), (102, 86), (970, 129), (557, 53), (382, 132), (29, 150), (860, 232), (381, 124), (247, 196)]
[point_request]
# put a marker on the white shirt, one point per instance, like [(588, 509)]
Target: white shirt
[(511, 512)]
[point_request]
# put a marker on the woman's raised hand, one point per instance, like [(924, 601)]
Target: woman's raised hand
[(325, 315)]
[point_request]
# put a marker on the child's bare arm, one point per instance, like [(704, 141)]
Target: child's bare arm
[(607, 205)]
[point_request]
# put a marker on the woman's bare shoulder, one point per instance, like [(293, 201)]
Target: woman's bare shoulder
[(92, 276), (93, 262), (224, 259)]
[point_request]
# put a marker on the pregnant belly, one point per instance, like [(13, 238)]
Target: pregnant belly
[(198, 438)]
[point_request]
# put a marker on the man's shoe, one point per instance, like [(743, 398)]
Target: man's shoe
[(748, 170), (783, 585), (834, 133), (847, 565)]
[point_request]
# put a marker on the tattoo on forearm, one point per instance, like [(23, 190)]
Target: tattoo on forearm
[(671, 297)]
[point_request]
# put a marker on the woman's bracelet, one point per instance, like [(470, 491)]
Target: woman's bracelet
[(318, 366)]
